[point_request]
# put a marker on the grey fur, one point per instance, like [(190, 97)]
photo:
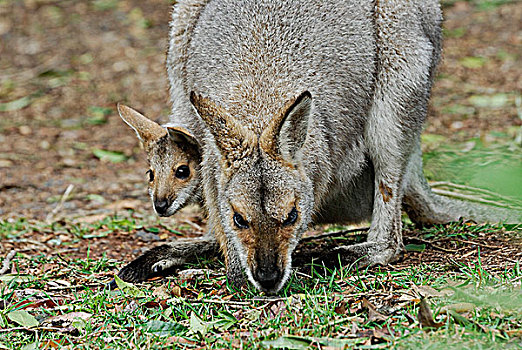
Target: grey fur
[(368, 67)]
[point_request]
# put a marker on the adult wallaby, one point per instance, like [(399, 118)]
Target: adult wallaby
[(306, 112)]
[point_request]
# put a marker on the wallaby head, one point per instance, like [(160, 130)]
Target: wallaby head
[(173, 157), (265, 199)]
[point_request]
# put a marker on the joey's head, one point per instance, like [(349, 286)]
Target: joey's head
[(173, 157), (265, 197)]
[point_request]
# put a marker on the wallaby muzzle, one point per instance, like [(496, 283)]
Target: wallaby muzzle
[(162, 206), (266, 270), (268, 278)]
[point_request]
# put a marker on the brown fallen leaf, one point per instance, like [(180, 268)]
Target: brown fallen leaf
[(161, 292), (36, 304), (425, 316), (373, 314), (428, 291), (54, 343), (340, 308)]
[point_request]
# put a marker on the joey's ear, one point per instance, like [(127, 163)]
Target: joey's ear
[(234, 141), (182, 137), (146, 129), (286, 134)]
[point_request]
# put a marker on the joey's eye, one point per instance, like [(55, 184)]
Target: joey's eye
[(239, 221), (151, 175), (182, 172), (292, 217)]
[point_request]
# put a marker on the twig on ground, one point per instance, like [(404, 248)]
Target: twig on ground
[(32, 72), (341, 320), (18, 329), (334, 234), (224, 302), (434, 245), (303, 274), (60, 204), (479, 244), (196, 226), (77, 286), (7, 261)]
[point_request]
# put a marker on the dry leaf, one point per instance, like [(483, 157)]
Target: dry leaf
[(373, 314), (341, 308), (161, 292), (428, 291), (66, 319), (425, 316), (190, 274)]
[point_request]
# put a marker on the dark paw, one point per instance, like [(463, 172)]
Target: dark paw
[(155, 262)]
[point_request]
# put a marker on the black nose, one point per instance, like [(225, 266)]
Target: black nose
[(161, 207), (267, 278)]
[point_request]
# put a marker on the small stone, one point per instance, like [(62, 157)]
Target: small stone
[(457, 125), (70, 162), (25, 130), (45, 145)]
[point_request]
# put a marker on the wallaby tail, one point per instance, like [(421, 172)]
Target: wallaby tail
[(423, 206)]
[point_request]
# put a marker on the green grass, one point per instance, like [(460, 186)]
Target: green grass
[(318, 308)]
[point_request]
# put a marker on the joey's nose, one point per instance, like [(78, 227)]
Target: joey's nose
[(267, 278), (161, 207)]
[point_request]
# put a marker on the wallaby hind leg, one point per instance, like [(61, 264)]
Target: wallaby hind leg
[(406, 57), (426, 208), (420, 203)]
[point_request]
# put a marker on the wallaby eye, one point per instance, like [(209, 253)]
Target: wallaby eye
[(182, 172), (239, 221), (151, 175), (292, 217)]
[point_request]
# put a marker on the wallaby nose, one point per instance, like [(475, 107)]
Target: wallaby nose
[(161, 207), (267, 278)]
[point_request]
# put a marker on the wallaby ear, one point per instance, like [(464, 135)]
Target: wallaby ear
[(182, 137), (234, 142), (286, 134), (146, 129)]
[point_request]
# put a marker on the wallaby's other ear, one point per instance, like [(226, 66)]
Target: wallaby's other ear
[(234, 142), (182, 137), (286, 134), (146, 129)]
